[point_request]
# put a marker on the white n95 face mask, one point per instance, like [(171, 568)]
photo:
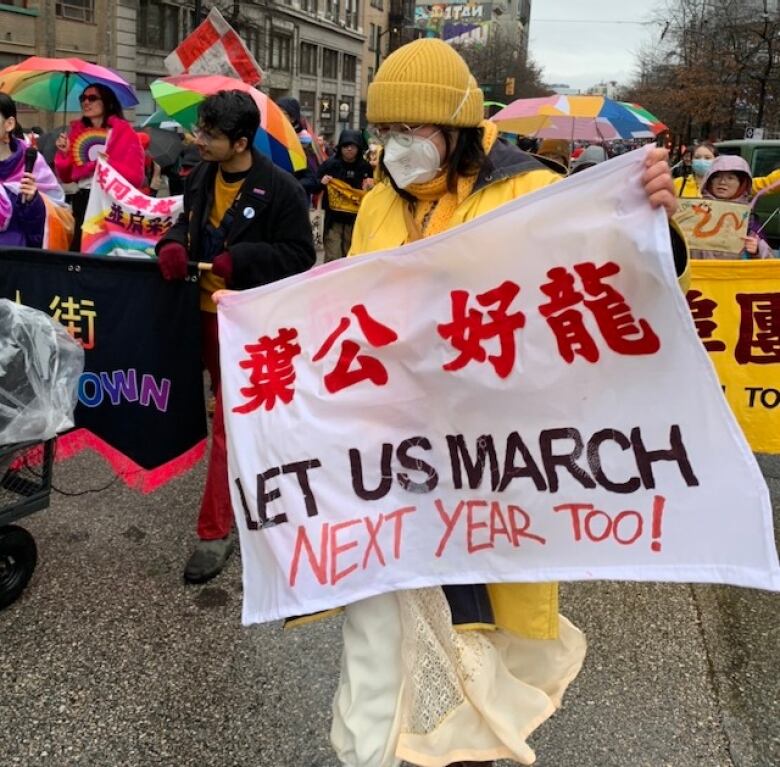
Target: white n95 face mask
[(411, 160)]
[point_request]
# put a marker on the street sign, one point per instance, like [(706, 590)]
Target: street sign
[(757, 134)]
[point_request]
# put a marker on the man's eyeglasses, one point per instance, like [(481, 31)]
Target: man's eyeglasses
[(89, 97), (203, 135)]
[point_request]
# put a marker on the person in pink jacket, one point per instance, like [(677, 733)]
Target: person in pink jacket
[(101, 129)]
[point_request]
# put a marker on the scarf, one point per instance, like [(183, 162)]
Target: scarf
[(435, 204), (11, 170)]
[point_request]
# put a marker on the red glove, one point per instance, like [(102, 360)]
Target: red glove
[(222, 266), (172, 260)]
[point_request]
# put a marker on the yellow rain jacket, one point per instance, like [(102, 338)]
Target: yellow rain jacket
[(527, 609)]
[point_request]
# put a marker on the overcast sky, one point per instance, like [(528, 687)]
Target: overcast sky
[(583, 54)]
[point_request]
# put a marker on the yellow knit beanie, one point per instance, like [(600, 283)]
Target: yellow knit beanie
[(425, 82)]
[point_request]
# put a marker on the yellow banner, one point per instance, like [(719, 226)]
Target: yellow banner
[(736, 309), (343, 197)]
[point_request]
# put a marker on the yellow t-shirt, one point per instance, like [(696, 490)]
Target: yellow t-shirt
[(224, 194), (691, 188)]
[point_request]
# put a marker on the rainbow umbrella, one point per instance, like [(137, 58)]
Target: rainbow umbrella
[(54, 84), (653, 123), (179, 96), (593, 118)]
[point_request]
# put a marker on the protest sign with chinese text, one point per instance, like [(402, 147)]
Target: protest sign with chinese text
[(214, 48), (122, 221), (140, 398), (523, 398), (736, 309), (343, 196), (713, 224)]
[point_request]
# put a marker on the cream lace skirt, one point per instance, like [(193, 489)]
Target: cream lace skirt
[(413, 688)]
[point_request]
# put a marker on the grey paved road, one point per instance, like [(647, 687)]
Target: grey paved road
[(108, 659)]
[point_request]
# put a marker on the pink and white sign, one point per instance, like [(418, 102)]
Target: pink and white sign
[(524, 398)]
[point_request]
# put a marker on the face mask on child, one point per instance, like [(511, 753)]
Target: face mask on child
[(701, 166)]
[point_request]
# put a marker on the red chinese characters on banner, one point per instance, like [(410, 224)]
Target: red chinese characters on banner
[(346, 373), (272, 375), (622, 333), (759, 329), (469, 328), (703, 311)]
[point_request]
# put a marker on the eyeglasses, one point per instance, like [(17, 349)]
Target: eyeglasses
[(401, 133), (204, 136), (90, 97)]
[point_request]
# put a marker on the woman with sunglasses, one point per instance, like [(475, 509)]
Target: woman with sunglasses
[(101, 129)]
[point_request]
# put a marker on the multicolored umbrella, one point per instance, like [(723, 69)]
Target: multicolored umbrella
[(179, 96), (54, 84), (594, 118), (649, 119)]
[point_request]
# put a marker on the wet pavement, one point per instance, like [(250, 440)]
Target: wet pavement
[(109, 659)]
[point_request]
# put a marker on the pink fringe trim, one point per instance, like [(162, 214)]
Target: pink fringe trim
[(133, 475)]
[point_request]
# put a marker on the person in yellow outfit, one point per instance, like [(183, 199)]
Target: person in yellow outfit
[(703, 157), (452, 675)]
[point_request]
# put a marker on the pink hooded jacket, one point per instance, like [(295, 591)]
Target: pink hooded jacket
[(733, 164)]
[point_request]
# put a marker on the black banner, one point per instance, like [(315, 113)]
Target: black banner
[(141, 394)]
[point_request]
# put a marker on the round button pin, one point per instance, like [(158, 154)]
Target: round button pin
[(249, 212)]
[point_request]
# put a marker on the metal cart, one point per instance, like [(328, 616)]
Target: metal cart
[(25, 487)]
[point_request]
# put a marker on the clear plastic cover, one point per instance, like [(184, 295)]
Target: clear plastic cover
[(40, 366)]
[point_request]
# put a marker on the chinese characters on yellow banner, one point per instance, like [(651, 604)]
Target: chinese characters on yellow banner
[(736, 309)]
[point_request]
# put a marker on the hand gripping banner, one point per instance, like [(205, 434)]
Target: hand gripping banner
[(141, 394), (523, 398)]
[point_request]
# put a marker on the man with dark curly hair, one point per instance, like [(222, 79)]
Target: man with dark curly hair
[(250, 220)]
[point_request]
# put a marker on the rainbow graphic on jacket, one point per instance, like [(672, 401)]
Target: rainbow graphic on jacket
[(122, 221), (88, 145)]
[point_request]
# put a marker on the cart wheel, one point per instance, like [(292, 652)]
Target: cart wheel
[(18, 556)]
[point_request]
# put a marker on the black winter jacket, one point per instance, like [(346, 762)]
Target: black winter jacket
[(270, 235)]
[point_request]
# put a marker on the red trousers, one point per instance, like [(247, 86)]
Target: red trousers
[(216, 514)]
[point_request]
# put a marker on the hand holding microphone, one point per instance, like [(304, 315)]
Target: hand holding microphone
[(27, 187)]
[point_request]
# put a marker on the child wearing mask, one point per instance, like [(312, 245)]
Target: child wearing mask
[(703, 157), (729, 179)]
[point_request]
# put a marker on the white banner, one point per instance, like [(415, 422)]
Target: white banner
[(120, 220), (524, 398)]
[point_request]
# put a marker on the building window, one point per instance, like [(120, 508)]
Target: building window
[(251, 38), (330, 63), (370, 74), (372, 28), (349, 69), (346, 105), (308, 102), (378, 4), (157, 25), (308, 59), (351, 13), (78, 10), (280, 52), (327, 112), (332, 10)]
